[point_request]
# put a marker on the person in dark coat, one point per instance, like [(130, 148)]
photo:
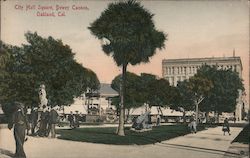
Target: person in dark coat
[(43, 130), (158, 120), (53, 119), (34, 118), (20, 123), (77, 119), (226, 127), (71, 120), (47, 125), (42, 127)]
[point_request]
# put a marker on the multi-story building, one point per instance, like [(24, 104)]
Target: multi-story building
[(175, 70)]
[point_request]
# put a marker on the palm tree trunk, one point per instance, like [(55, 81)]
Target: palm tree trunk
[(207, 116), (120, 131), (127, 117)]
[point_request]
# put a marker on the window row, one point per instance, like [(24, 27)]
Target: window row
[(182, 70), (193, 69)]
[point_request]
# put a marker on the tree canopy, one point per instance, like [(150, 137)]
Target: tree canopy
[(156, 92), (129, 32), (133, 97), (190, 93), (144, 89), (183, 97), (224, 94), (45, 61)]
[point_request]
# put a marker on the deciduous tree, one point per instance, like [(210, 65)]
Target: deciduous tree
[(133, 96), (45, 61), (224, 94)]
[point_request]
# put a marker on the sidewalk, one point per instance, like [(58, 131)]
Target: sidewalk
[(205, 144), (242, 151), (211, 141)]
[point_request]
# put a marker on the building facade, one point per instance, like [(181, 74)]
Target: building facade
[(175, 70)]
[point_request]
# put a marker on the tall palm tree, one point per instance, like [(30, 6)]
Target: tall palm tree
[(129, 36)]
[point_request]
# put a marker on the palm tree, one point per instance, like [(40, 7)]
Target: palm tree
[(129, 36)]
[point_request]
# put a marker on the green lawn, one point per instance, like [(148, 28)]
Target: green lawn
[(107, 135)]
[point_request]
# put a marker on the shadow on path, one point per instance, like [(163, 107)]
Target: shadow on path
[(213, 134), (198, 149), (6, 152), (215, 139)]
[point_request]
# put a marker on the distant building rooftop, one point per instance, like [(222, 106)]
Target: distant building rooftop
[(206, 60), (107, 91)]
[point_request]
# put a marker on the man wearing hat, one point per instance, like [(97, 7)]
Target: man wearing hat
[(20, 123)]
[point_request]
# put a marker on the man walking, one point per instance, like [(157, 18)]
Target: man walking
[(20, 123), (226, 127)]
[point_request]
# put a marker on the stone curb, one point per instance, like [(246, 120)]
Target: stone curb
[(240, 151)]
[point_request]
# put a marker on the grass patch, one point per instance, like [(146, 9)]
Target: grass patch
[(244, 136), (107, 135)]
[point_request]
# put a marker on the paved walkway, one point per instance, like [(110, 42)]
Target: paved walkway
[(242, 151), (205, 144)]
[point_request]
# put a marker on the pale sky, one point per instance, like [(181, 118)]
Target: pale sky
[(195, 29)]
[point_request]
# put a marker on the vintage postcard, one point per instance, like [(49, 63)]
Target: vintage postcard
[(125, 78)]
